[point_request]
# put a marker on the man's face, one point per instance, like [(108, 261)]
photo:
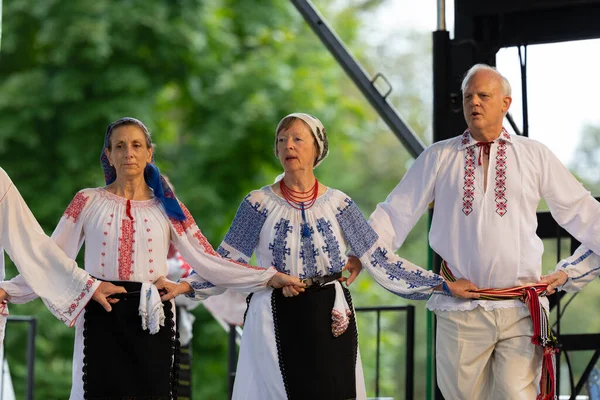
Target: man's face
[(484, 103)]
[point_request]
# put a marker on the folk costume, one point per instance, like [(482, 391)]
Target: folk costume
[(131, 352), (306, 347), (488, 236)]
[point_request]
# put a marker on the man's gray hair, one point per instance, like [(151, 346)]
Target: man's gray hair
[(506, 89)]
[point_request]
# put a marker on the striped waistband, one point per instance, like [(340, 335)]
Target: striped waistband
[(542, 333)]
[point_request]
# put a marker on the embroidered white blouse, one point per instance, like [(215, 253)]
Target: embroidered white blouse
[(131, 243), (64, 287), (488, 237), (265, 224)]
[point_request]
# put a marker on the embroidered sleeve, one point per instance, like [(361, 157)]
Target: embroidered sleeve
[(211, 267), (69, 234), (393, 219), (571, 204), (202, 288), (242, 237), (581, 268), (394, 273), (45, 269)]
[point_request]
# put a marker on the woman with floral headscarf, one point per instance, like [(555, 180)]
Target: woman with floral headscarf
[(302, 343), (127, 227)]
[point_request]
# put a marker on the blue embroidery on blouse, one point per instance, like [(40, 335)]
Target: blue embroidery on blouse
[(396, 272), (201, 285), (332, 246), (222, 252), (411, 296), (308, 253), (278, 247), (357, 230), (197, 286), (246, 226), (578, 259)]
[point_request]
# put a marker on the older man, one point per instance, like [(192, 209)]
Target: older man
[(487, 185), (64, 287)]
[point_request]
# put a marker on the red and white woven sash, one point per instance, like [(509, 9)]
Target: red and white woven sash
[(542, 333)]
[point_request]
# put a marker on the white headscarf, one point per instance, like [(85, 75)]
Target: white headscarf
[(318, 131)]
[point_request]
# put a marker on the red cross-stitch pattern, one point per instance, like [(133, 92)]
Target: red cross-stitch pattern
[(125, 249), (469, 181), (500, 189), (76, 206), (182, 226)]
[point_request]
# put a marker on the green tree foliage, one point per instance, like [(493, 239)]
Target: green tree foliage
[(211, 79)]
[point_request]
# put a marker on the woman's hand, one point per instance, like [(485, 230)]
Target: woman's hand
[(291, 285), (4, 296), (171, 289), (106, 289), (354, 266), (554, 280), (462, 288)]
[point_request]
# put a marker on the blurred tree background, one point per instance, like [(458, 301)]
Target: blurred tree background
[(211, 79)]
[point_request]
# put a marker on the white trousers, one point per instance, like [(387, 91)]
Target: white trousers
[(487, 355)]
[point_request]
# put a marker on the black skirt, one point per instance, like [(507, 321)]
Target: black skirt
[(123, 361), (314, 364)]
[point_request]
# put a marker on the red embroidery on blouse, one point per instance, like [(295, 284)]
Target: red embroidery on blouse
[(182, 226), (500, 189), (83, 293), (125, 249), (76, 206), (204, 242), (469, 181)]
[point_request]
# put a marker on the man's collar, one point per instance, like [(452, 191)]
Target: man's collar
[(466, 140)]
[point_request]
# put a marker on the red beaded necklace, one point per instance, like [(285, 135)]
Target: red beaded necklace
[(300, 201)]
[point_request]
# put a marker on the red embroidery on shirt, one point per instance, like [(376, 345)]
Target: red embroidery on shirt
[(465, 137), (469, 180), (500, 189), (182, 226), (125, 249), (76, 206), (83, 293)]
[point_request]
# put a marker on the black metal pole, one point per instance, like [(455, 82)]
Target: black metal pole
[(410, 352), (31, 358), (360, 78), (232, 360), (377, 354), (442, 105), (586, 374)]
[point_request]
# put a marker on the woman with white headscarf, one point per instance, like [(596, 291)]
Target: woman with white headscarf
[(302, 343)]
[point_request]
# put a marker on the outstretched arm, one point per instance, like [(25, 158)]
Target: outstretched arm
[(64, 287)]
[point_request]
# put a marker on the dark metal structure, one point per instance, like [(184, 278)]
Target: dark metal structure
[(360, 77), (31, 332)]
